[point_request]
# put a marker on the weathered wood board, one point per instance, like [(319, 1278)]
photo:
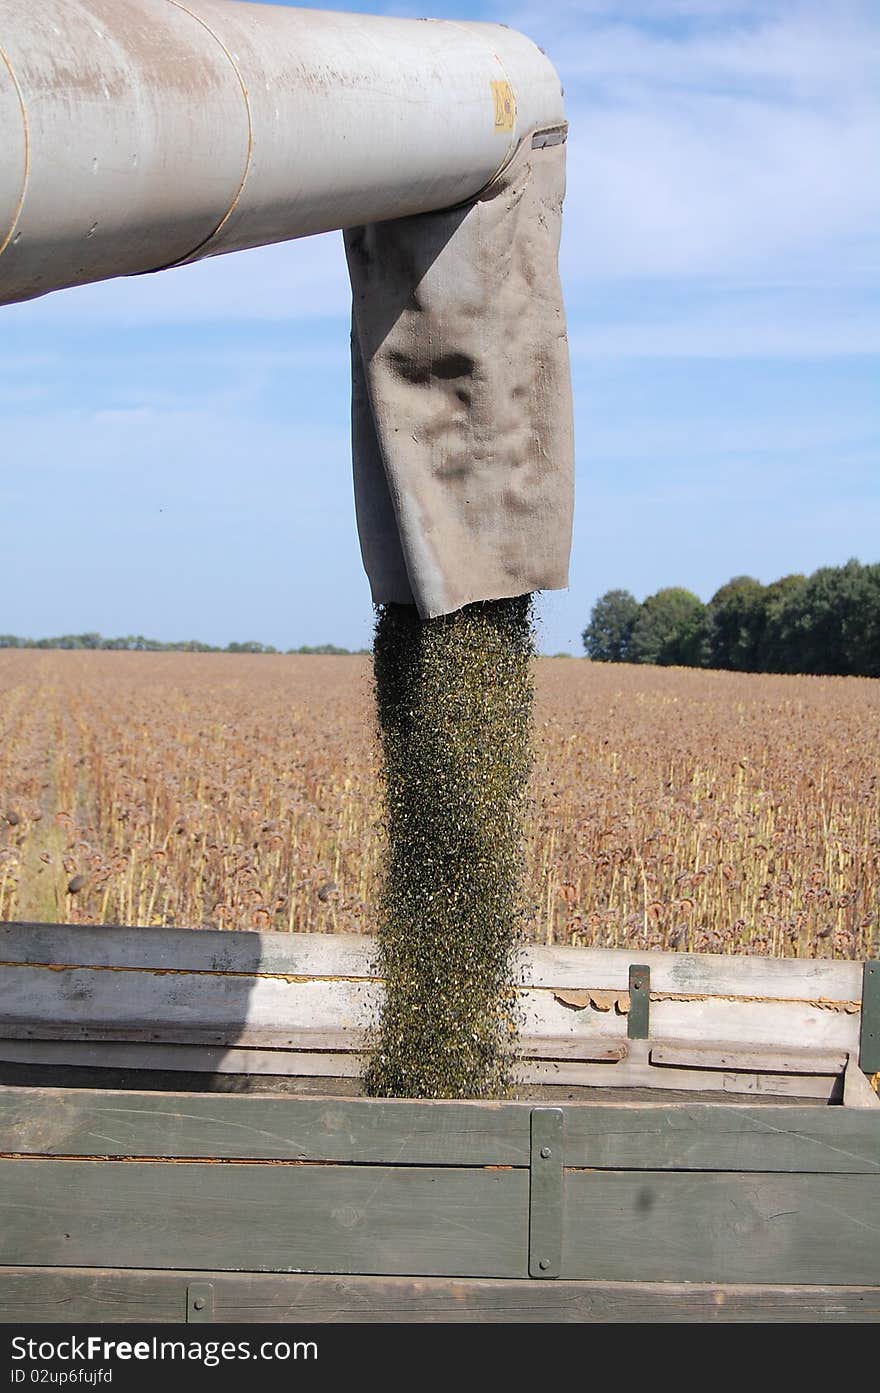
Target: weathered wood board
[(79, 1295), (721, 1227), (696, 1193), (275, 1004), (148, 1000), (271, 1217), (617, 1136), (352, 956)]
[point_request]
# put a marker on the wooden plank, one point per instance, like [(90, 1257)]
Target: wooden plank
[(265, 1217), (857, 1092), (194, 950), (31, 997), (201, 1001), (244, 1036), (182, 1058), (300, 1086), (60, 1122), (777, 1024), (638, 1072), (83, 1295), (738, 1057), (198, 1082), (170, 1060), (689, 1227), (805, 979), (693, 1136), (307, 1040), (707, 1137), (578, 1048), (350, 955)]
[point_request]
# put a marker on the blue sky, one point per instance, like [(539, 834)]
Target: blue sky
[(175, 453)]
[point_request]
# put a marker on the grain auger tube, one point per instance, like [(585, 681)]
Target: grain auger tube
[(143, 134)]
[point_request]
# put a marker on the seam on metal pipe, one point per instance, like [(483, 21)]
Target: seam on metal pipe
[(516, 145), (512, 145), (206, 241), (499, 173), (27, 154)]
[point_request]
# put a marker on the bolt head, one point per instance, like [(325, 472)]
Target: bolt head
[(199, 1303), (544, 1264), (545, 1152)]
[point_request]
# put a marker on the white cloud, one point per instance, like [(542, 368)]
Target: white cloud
[(715, 186), (800, 51), (715, 139)]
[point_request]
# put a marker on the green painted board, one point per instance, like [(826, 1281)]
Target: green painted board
[(693, 1136), (869, 1049), (546, 1188), (690, 1227), (68, 1122), (638, 1024), (63, 1295), (713, 1136), (270, 1217)]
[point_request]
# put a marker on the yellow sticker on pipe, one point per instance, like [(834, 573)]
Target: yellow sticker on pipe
[(505, 106)]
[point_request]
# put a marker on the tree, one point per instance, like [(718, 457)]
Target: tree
[(834, 624), (736, 619), (780, 645), (326, 649), (670, 630), (607, 636), (864, 634)]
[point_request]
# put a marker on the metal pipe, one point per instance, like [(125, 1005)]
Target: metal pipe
[(138, 134)]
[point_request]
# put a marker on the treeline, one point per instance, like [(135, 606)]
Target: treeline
[(827, 623), (136, 643)]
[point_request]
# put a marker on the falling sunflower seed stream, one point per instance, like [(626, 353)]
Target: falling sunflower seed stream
[(454, 699)]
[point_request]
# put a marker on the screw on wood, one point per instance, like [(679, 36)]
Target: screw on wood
[(200, 1301)]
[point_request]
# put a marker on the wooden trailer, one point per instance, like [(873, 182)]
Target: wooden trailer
[(694, 1138)]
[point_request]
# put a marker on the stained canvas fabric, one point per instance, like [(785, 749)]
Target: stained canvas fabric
[(462, 431)]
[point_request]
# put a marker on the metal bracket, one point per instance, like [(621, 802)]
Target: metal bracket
[(199, 1302), (638, 1021), (869, 1047), (553, 135), (546, 1192)]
